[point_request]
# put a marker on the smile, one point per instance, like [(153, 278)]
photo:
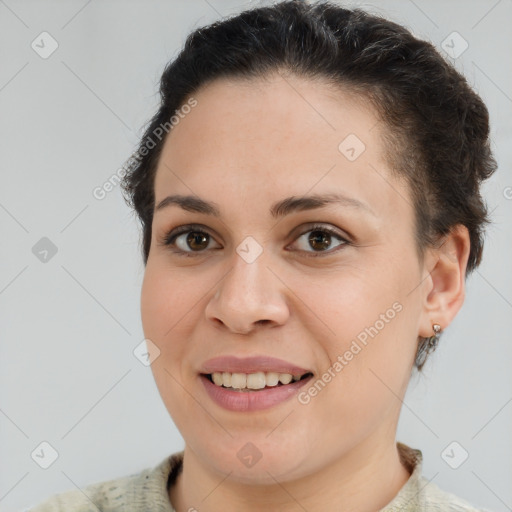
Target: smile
[(244, 399), (253, 381)]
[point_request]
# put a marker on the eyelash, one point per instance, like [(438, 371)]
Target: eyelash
[(170, 237)]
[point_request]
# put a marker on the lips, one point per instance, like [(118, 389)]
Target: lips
[(248, 400), (266, 364)]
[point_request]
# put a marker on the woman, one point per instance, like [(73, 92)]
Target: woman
[(309, 198)]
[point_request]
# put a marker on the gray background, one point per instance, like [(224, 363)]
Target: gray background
[(69, 325)]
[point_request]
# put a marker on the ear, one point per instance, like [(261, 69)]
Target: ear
[(445, 287)]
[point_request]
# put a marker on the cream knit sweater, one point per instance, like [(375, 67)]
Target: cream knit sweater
[(147, 491)]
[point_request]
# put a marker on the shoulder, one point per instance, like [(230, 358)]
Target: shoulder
[(422, 495), (436, 499), (105, 496), (129, 493)]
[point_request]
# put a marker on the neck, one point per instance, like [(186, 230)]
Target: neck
[(366, 479)]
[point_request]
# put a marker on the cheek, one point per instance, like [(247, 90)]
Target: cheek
[(371, 320), (164, 310), (347, 300), (164, 300), (165, 306)]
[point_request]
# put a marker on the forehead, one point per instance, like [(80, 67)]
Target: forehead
[(281, 134)]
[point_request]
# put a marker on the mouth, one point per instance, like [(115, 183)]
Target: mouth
[(253, 382)]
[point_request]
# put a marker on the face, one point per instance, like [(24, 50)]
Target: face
[(333, 290)]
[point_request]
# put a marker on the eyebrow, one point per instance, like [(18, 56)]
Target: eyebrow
[(280, 209)]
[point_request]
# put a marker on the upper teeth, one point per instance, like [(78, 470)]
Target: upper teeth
[(256, 380)]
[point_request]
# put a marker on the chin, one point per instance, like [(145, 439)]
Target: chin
[(255, 463)]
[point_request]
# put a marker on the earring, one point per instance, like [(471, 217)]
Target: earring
[(433, 340)]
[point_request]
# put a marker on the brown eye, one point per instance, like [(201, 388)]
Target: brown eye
[(194, 241), (197, 240), (188, 240), (320, 239)]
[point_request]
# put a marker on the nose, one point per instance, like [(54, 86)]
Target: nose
[(249, 296)]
